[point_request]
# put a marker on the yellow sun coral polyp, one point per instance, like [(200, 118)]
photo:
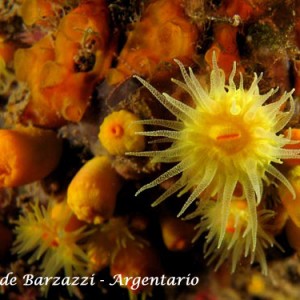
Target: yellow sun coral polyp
[(49, 237), (117, 133), (237, 242), (229, 137)]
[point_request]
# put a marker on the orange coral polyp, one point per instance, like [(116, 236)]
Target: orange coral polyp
[(117, 133), (92, 192), (27, 154)]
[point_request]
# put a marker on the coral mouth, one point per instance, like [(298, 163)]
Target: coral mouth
[(230, 136), (226, 132), (117, 131)]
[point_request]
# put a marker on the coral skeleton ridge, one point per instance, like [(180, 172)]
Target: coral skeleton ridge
[(230, 137)]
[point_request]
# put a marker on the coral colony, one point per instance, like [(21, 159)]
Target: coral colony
[(109, 106)]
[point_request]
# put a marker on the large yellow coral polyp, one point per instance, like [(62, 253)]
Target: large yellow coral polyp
[(27, 154), (230, 137), (92, 192), (117, 133)]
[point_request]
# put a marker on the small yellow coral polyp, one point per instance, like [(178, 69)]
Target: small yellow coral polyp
[(93, 191), (237, 243), (117, 133), (229, 137), (106, 241), (45, 234)]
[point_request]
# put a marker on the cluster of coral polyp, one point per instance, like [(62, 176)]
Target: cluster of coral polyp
[(196, 101)]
